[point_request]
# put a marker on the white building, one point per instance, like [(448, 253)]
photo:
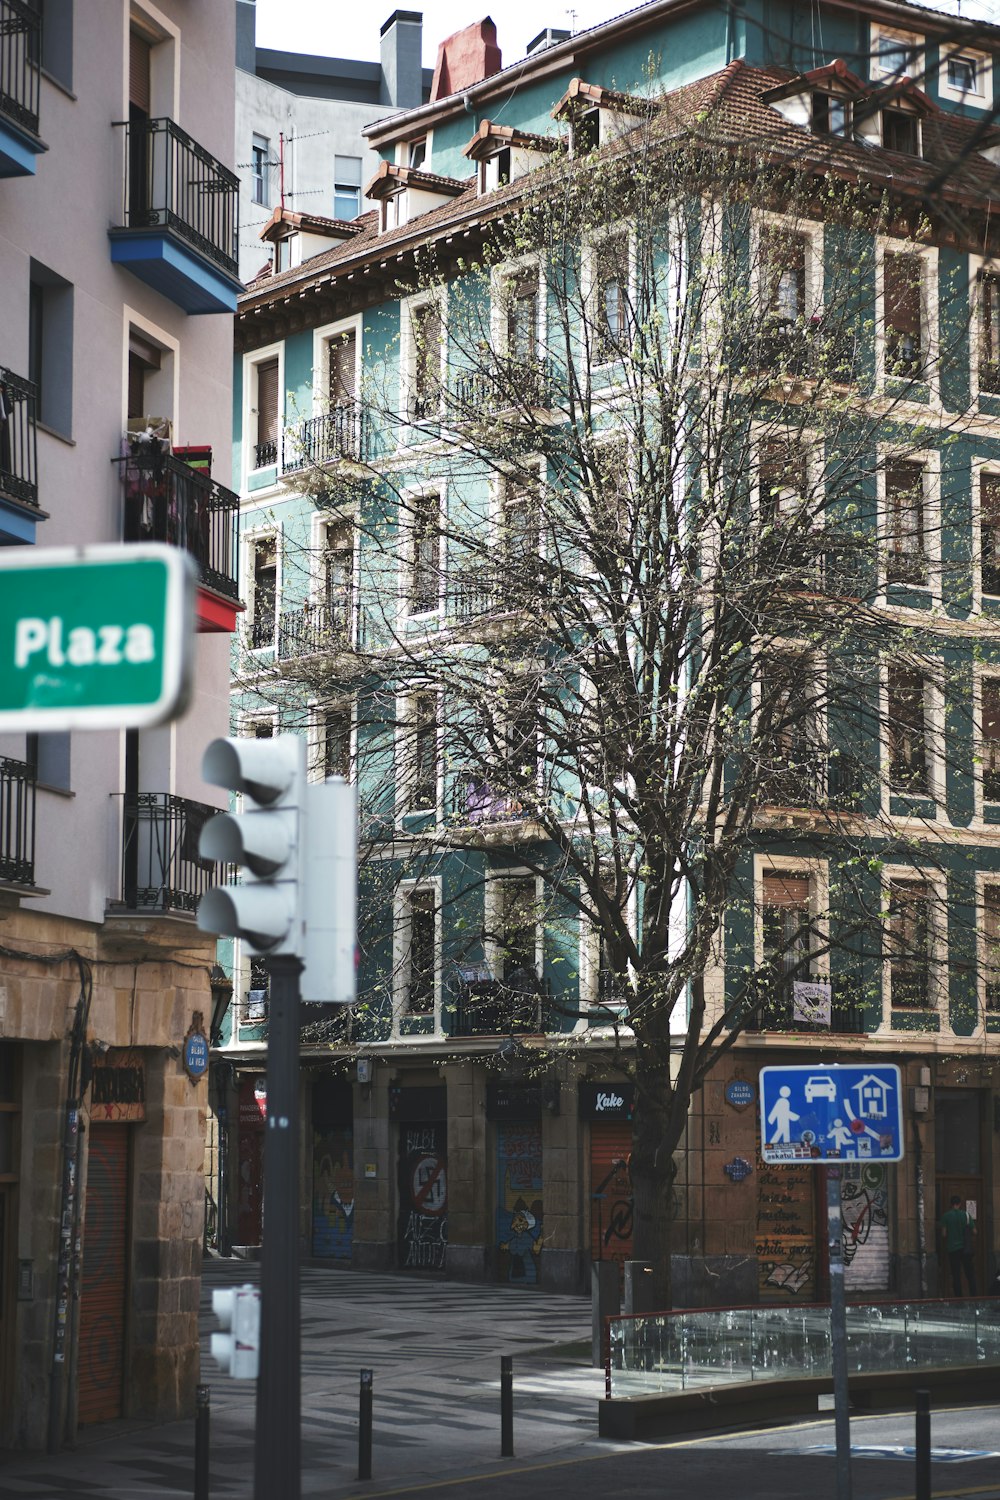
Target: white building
[(299, 123), (118, 277)]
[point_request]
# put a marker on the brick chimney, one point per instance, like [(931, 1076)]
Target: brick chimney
[(465, 58)]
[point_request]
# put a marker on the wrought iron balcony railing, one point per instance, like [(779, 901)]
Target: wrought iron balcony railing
[(20, 35), (775, 1011), (173, 183), (18, 439), (161, 868), (806, 349), (315, 630), (492, 1007), (17, 822), (508, 385), (166, 500), (477, 802), (265, 454), (336, 434)]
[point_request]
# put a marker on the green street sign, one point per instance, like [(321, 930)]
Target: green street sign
[(95, 637)]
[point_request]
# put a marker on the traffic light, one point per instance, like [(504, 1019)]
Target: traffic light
[(297, 844), (265, 910), (238, 1350)]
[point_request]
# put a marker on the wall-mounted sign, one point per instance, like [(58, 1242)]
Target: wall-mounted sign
[(740, 1093), (606, 1101), (196, 1048), (118, 1089), (738, 1170), (253, 1102)]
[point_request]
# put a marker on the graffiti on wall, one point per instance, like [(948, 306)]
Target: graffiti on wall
[(519, 1202), (611, 1212), (423, 1197), (786, 1232), (864, 1190), (333, 1191)]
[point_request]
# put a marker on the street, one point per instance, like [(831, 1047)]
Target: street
[(435, 1350)]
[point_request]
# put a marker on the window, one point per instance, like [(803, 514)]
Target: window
[(424, 581), (427, 333), (50, 348), (343, 369), (896, 53), (255, 1010), (495, 170), (56, 39), (522, 317), (990, 746), (908, 733), (783, 260), (908, 944), (337, 582), (791, 761), (260, 729), (785, 929), (989, 332), (420, 946), (611, 297), (519, 540), (831, 115), (513, 935), (265, 593), (265, 412), (346, 187), (336, 727), (419, 792), (416, 153), (150, 393), (789, 545), (900, 132), (967, 77), (906, 524), (49, 755), (586, 132), (260, 170), (903, 279), (962, 75), (989, 532), (991, 947)]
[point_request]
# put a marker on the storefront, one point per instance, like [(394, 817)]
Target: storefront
[(607, 1109), (422, 1176)]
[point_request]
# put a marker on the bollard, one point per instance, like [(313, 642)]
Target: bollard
[(923, 1445), (365, 1426), (506, 1406), (201, 1417), (605, 1302)]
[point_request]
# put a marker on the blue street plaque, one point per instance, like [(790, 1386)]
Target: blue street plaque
[(196, 1054), (831, 1114), (740, 1093)]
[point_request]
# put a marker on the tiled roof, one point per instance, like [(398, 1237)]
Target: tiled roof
[(491, 137), (581, 95), (389, 177), (726, 107)]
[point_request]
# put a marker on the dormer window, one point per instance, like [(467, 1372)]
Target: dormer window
[(503, 154), (966, 77), (962, 75), (586, 134), (494, 172), (896, 54), (597, 116), (417, 153), (900, 132), (403, 193), (831, 115)]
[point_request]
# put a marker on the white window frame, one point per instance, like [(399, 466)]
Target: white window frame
[(979, 98), (812, 233), (937, 978), (249, 542), (589, 964), (401, 951), (930, 462), (318, 710), (590, 287), (403, 757), (250, 366), (934, 741), (493, 910), (981, 467), (928, 255), (817, 872), (497, 488), (979, 265), (981, 671), (913, 43), (501, 277), (984, 878), (818, 663), (813, 452), (408, 311), (322, 339), (409, 502)]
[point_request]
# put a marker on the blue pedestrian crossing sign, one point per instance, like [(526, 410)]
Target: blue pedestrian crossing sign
[(826, 1114)]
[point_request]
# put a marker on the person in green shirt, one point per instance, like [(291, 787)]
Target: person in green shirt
[(957, 1229)]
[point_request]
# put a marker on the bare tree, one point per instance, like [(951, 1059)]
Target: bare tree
[(649, 548)]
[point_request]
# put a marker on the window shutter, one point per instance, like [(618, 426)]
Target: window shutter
[(903, 275), (267, 401), (785, 890), (342, 370), (139, 51)]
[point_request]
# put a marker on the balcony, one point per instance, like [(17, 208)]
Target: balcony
[(20, 44), (179, 223), (806, 350), (477, 803), (18, 458), (814, 781), (508, 386), (17, 822), (315, 630), (166, 500), (327, 439), (775, 1012), (490, 1007), (161, 868)]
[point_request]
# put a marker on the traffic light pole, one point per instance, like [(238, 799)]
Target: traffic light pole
[(277, 1456)]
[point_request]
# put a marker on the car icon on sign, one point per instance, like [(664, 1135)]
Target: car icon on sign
[(821, 1086)]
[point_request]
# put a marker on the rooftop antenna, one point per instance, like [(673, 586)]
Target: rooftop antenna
[(572, 19)]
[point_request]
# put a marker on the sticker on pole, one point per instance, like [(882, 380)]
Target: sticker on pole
[(95, 637), (830, 1114)]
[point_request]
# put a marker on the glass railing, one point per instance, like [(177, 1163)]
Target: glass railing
[(686, 1350)]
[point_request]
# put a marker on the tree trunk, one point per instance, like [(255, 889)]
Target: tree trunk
[(653, 1166)]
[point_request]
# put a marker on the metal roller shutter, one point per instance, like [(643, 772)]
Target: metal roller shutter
[(103, 1289)]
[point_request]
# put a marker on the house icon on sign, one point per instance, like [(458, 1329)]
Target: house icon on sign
[(872, 1097)]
